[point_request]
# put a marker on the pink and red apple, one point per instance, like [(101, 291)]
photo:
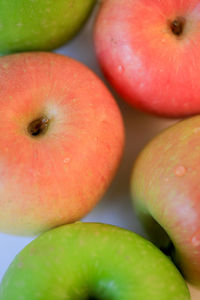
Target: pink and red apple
[(166, 194), (60, 144), (149, 52)]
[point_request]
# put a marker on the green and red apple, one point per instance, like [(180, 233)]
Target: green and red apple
[(166, 194), (40, 24), (149, 52), (92, 261), (60, 144)]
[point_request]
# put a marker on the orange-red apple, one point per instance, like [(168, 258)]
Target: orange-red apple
[(149, 51), (60, 143)]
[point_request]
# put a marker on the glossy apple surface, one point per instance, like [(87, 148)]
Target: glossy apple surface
[(149, 51), (166, 191), (40, 25), (92, 261), (60, 144)]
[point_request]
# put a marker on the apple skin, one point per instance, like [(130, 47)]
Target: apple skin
[(58, 177), (166, 192), (92, 261), (147, 64), (40, 25)]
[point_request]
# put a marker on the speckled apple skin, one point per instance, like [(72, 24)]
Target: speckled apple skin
[(58, 177), (40, 25), (149, 66), (92, 261), (166, 185)]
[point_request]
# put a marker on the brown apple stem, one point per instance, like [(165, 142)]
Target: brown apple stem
[(177, 26), (38, 126)]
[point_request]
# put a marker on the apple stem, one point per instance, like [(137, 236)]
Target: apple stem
[(38, 126), (177, 26)]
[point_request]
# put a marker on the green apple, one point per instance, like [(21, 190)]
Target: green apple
[(92, 261), (166, 194), (40, 24)]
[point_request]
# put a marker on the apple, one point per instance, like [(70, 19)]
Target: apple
[(40, 25), (165, 187), (92, 261), (149, 52), (60, 144)]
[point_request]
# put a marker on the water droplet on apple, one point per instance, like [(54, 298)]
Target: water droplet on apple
[(196, 239), (180, 171), (120, 69), (66, 160)]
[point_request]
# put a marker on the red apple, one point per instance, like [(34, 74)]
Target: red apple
[(60, 143), (149, 51), (166, 194)]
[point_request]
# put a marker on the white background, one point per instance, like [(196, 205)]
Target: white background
[(115, 207)]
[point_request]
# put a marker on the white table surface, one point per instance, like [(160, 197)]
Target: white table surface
[(115, 207)]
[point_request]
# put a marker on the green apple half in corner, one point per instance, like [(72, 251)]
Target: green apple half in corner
[(92, 261), (166, 194), (27, 25)]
